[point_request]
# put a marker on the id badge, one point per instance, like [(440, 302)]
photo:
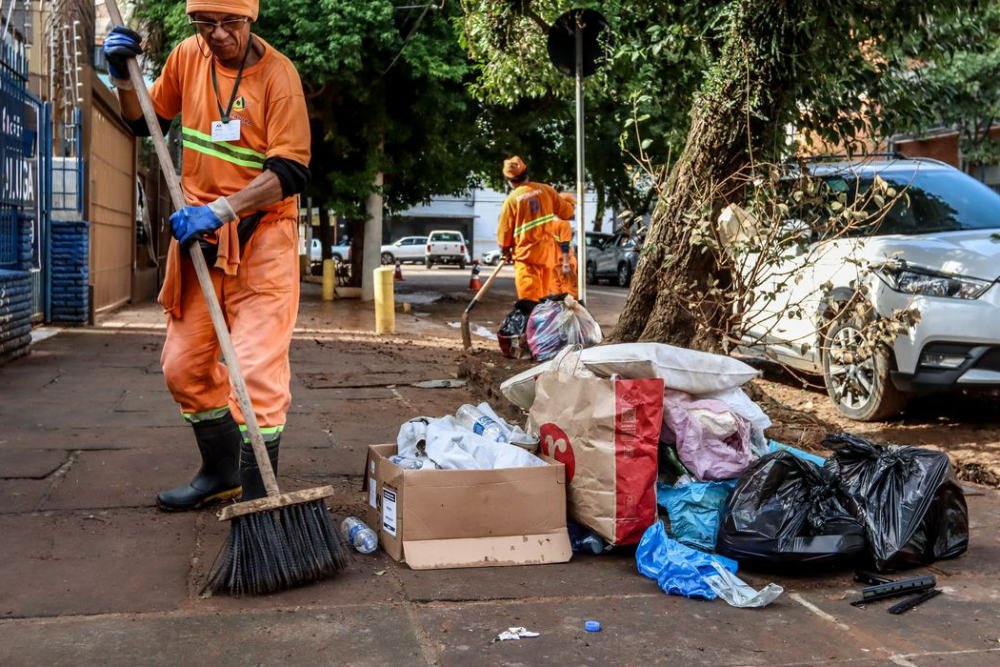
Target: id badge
[(226, 131)]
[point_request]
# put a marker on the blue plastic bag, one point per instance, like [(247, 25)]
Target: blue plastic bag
[(678, 569), (774, 446), (695, 510)]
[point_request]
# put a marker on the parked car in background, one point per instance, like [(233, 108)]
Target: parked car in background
[(339, 253), (613, 257), (406, 249), (937, 250), (446, 247), (491, 257)]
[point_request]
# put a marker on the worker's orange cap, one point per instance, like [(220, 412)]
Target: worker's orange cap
[(568, 196), (514, 167), (235, 7)]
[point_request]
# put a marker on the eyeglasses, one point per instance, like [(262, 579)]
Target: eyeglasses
[(229, 25)]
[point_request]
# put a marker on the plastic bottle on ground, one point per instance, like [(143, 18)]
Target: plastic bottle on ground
[(359, 535), (582, 540), (470, 417)]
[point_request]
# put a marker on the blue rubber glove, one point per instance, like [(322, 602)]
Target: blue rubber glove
[(119, 46), (192, 221)]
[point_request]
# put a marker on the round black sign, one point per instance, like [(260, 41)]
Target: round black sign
[(562, 41)]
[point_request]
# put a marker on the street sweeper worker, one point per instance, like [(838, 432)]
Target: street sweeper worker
[(526, 230), (564, 273), (246, 149)]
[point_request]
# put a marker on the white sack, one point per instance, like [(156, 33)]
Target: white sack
[(690, 371)]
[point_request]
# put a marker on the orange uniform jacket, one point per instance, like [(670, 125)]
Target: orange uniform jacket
[(527, 222), (274, 123)]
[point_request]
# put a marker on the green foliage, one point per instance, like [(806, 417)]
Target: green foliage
[(386, 90), (959, 87)]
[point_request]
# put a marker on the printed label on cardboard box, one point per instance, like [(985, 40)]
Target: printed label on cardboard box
[(389, 511), (372, 495)]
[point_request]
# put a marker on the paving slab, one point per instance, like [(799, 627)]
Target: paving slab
[(94, 562), (22, 495), (666, 631), (103, 479), (29, 463), (366, 635), (583, 576)]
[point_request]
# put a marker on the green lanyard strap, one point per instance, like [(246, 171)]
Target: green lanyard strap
[(236, 86)]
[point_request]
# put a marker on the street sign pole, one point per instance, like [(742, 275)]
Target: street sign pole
[(581, 174)]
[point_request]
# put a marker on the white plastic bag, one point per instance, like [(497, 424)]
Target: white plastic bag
[(452, 447), (690, 371)]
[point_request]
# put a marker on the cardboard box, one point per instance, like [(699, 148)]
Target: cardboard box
[(438, 519)]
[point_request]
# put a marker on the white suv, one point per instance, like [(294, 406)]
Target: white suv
[(940, 251)]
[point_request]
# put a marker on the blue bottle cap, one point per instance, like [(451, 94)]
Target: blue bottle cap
[(592, 626)]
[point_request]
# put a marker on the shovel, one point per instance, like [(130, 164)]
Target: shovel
[(466, 334)]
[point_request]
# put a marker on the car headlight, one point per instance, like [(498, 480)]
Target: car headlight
[(932, 284)]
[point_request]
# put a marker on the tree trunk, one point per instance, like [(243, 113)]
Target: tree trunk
[(325, 231), (357, 251), (733, 121), (602, 203)]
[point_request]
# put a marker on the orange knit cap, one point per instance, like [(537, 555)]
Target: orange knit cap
[(235, 7), (569, 196), (514, 167)]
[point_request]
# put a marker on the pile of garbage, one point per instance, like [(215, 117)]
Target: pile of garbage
[(663, 449)]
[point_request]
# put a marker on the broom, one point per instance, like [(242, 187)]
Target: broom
[(282, 540)]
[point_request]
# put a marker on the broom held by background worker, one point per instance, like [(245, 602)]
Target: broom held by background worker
[(246, 146), (526, 230), (564, 274)]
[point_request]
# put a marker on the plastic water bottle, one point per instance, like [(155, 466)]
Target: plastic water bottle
[(583, 540), (470, 417), (407, 462), (360, 535)]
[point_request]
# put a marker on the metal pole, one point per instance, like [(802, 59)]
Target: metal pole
[(581, 175)]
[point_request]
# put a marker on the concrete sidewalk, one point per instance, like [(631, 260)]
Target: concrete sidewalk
[(93, 574)]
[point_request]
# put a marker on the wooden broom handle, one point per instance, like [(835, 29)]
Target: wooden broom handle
[(201, 268)]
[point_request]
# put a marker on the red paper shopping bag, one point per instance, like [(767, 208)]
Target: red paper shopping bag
[(606, 433)]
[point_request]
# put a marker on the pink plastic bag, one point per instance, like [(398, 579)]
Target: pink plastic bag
[(712, 441)]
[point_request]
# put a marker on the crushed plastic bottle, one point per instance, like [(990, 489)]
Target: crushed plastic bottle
[(472, 418), (407, 462), (359, 535), (582, 540)]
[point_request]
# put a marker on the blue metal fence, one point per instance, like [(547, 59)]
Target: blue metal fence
[(13, 79)]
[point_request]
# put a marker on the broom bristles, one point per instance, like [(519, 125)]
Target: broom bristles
[(271, 551)]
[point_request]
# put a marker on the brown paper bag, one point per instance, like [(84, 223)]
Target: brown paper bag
[(606, 433)]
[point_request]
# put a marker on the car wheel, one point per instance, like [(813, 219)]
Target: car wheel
[(856, 376), (461, 265), (387, 258), (428, 263), (591, 273), (624, 274)]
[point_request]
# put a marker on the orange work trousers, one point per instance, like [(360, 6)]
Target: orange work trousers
[(565, 284), (260, 304), (533, 281)]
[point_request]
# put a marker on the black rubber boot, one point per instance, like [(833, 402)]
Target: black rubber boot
[(253, 485), (219, 476)]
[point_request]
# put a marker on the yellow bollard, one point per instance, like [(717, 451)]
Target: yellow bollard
[(385, 301), (329, 279)]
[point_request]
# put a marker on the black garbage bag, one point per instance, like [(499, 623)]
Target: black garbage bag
[(912, 505), (513, 333), (789, 511)]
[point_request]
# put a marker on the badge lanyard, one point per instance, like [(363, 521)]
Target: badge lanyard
[(236, 86)]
